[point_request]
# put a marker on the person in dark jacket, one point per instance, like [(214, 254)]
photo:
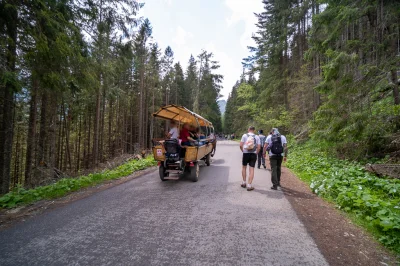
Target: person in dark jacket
[(260, 155)]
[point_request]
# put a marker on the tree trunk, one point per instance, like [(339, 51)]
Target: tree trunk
[(60, 153), (395, 87), (66, 130), (30, 146), (110, 121), (96, 129), (43, 133), (7, 126), (78, 146), (102, 121)]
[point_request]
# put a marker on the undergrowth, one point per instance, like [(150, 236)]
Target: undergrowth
[(20, 196), (373, 202)]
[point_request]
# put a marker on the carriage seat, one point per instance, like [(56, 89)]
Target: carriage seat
[(172, 149)]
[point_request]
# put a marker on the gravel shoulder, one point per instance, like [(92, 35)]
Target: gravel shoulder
[(340, 241)]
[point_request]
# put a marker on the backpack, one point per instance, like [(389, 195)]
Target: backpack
[(276, 146), (251, 143)]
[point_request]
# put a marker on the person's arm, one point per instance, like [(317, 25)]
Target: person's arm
[(266, 143), (285, 149), (241, 145), (265, 147), (258, 148)]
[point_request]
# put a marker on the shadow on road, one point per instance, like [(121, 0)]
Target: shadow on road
[(270, 193), (218, 161), (296, 194)]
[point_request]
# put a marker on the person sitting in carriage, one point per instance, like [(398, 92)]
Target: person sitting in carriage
[(185, 135)]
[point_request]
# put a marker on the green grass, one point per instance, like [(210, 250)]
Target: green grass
[(371, 202), (21, 196)]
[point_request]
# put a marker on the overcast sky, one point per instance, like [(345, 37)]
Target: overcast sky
[(223, 27)]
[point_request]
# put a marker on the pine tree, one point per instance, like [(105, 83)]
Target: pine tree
[(191, 80)]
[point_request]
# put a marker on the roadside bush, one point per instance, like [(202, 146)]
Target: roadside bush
[(21, 196), (375, 202)]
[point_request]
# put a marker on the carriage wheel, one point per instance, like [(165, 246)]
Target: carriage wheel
[(194, 172), (162, 173)]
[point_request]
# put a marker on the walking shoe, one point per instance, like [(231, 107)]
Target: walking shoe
[(279, 185), (258, 167), (264, 166), (274, 187), (243, 185), (250, 188)]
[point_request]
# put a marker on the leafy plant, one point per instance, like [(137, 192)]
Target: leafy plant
[(375, 202)]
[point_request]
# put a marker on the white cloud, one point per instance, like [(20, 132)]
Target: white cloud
[(181, 36), (182, 45), (244, 11), (168, 2)]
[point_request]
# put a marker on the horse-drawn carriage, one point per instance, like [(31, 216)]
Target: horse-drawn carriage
[(175, 160)]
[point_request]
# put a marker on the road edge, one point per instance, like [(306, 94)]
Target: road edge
[(9, 217)]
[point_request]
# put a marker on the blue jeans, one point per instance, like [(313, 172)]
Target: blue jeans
[(260, 158)]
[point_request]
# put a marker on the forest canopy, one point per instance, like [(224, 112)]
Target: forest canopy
[(79, 82), (326, 69)]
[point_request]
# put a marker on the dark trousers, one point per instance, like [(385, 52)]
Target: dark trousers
[(276, 162), (260, 158)]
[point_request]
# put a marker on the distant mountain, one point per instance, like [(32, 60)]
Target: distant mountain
[(222, 105)]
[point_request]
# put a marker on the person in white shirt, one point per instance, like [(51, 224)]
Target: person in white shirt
[(276, 145), (250, 146), (173, 132)]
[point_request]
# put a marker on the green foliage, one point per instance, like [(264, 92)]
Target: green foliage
[(245, 108), (375, 202), (20, 196)]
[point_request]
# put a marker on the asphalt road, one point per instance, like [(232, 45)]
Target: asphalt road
[(149, 222)]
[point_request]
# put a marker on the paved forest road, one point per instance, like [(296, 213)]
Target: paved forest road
[(149, 222)]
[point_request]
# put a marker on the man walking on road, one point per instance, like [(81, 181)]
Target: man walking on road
[(250, 146), (260, 154), (276, 144)]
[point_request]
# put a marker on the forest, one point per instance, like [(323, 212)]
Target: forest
[(326, 70), (79, 80)]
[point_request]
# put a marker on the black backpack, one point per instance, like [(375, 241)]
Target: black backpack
[(276, 147)]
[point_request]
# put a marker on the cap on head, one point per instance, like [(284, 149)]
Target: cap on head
[(275, 131)]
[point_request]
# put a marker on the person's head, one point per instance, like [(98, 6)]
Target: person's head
[(252, 129), (260, 131), (186, 125), (172, 123), (274, 131)]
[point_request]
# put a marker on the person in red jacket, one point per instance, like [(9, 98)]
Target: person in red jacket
[(185, 136)]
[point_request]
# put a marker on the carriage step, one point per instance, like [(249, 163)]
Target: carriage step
[(171, 177), (174, 165), (174, 171)]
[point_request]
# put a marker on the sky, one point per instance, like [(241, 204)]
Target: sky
[(223, 27)]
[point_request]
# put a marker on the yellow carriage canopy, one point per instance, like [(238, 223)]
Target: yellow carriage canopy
[(181, 115)]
